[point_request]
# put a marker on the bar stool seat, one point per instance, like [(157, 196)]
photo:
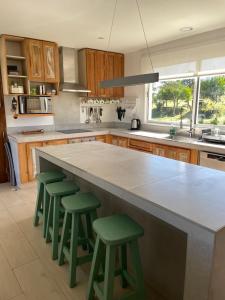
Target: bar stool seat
[(117, 231), (56, 191), (81, 202), (63, 188), (50, 177), (77, 206), (42, 201)]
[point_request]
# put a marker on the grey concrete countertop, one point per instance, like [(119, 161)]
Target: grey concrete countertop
[(191, 192), (160, 138)]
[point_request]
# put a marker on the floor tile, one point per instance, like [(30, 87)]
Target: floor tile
[(36, 282), (9, 286), (18, 252)]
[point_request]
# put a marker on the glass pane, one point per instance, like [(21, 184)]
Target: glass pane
[(211, 106), (171, 101)]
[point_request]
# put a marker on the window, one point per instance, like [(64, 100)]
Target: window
[(172, 100), (211, 102)]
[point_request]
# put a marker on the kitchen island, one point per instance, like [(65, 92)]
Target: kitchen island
[(186, 198)]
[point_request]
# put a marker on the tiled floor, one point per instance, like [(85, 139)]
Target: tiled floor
[(26, 269)]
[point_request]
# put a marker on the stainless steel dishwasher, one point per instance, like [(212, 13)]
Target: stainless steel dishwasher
[(212, 160)]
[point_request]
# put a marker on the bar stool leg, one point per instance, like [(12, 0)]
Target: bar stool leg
[(136, 259), (109, 272), (89, 232), (40, 191), (45, 210), (55, 234), (65, 237), (95, 266), (123, 262), (82, 232), (49, 220), (73, 249)]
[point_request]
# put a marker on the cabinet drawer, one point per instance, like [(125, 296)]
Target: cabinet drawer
[(140, 145)]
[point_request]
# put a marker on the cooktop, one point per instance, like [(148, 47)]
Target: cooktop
[(70, 131)]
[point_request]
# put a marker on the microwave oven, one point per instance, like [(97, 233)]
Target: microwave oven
[(35, 105)]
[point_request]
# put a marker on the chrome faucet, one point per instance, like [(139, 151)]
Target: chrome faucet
[(191, 129)]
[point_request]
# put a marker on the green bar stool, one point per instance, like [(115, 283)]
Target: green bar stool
[(81, 205), (117, 231), (56, 191), (42, 201)]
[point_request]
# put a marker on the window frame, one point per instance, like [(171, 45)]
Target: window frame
[(195, 104)]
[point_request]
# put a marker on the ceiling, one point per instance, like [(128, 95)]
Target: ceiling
[(79, 23)]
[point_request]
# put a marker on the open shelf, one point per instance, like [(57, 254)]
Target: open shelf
[(34, 115), (15, 57), (16, 76)]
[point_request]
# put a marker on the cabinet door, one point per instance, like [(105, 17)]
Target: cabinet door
[(159, 150), (123, 142), (31, 162), (101, 138), (109, 71), (114, 140), (99, 72), (118, 72), (90, 72), (56, 142), (34, 53), (184, 155), (51, 62), (171, 153)]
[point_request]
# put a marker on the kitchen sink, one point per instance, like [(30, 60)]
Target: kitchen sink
[(71, 131), (181, 139)]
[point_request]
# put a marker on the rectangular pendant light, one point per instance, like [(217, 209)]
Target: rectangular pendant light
[(130, 80)]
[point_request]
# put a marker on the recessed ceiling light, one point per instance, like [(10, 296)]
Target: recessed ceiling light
[(186, 29), (100, 38)]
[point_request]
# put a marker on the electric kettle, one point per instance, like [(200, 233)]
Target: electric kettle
[(135, 124)]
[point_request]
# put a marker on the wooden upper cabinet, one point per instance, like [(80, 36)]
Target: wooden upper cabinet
[(42, 61), (90, 67), (99, 72), (96, 66), (34, 55), (118, 72), (109, 72), (51, 61)]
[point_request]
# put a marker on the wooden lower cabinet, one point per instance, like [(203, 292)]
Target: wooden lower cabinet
[(160, 150), (172, 152), (56, 142), (118, 141), (31, 165), (140, 145), (101, 138), (26, 156), (122, 142)]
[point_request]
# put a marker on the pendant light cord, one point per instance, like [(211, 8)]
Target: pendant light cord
[(143, 29), (145, 36), (112, 24)]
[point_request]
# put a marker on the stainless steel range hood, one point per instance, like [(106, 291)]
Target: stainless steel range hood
[(68, 59)]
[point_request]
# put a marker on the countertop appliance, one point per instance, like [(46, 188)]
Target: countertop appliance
[(22, 104), (70, 131), (39, 105), (212, 160), (135, 124)]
